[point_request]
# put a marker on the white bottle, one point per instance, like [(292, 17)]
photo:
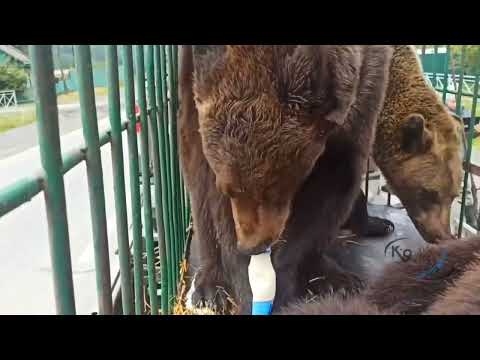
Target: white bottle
[(262, 282)]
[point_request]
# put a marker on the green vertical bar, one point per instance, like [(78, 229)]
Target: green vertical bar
[(460, 86), (129, 87), (445, 75), (95, 177), (434, 73), (471, 131), (119, 178), (179, 175), (166, 146), (177, 105), (177, 162), (173, 158), (458, 111), (159, 84), (180, 179), (156, 175), (54, 189), (147, 202)]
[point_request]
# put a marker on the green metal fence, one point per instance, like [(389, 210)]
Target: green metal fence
[(150, 80)]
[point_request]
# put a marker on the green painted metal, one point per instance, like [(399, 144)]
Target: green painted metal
[(460, 86), (94, 177), (434, 73), (445, 76), (76, 155), (458, 111), (181, 188), (153, 126), (73, 158), (471, 131), (19, 193), (170, 198), (119, 179), (165, 145), (174, 160), (27, 188), (145, 162), (134, 178), (54, 189)]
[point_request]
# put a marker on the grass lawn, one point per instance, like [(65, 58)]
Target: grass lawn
[(73, 97), (24, 115), (467, 103)]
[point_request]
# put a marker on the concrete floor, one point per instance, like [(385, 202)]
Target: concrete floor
[(368, 256)]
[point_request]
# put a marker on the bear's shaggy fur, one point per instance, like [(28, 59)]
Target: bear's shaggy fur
[(441, 279), (273, 140)]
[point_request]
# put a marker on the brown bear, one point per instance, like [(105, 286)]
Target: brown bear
[(418, 146), (441, 279), (273, 140)]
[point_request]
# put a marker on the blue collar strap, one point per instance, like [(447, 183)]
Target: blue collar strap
[(262, 308)]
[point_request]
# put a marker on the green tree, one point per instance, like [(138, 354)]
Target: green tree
[(12, 78), (472, 57)]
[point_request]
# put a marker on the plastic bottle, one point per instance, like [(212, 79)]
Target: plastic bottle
[(262, 282)]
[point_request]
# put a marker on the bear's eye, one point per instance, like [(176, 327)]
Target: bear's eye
[(229, 190), (427, 197)]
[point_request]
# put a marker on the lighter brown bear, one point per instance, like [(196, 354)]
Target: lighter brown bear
[(418, 146)]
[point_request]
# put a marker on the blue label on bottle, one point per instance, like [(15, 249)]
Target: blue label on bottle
[(262, 308)]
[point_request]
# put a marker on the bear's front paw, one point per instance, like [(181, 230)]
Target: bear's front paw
[(208, 292), (378, 227), (333, 278)]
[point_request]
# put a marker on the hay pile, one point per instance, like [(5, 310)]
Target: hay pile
[(180, 308), (180, 303)]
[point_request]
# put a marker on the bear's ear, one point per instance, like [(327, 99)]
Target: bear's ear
[(300, 72), (206, 59), (415, 137), (334, 79)]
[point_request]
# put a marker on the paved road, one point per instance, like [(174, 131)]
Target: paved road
[(25, 270), (19, 139)]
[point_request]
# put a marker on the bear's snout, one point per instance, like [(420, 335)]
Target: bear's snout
[(257, 226)]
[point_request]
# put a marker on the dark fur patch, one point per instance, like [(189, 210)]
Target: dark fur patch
[(453, 289)]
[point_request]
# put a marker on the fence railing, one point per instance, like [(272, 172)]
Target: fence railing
[(8, 98), (153, 168), (452, 84)]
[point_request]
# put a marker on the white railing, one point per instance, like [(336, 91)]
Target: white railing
[(8, 98), (438, 81)]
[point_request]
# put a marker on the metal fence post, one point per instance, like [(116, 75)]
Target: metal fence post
[(54, 188), (95, 177), (145, 162), (134, 178), (119, 178)]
